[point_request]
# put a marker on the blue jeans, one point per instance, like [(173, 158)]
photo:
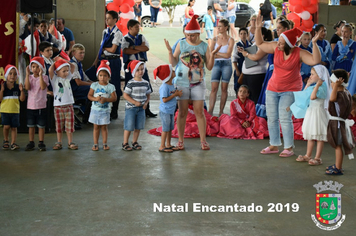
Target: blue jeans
[(154, 14), (209, 34), (134, 118), (222, 70), (167, 121), (276, 107)]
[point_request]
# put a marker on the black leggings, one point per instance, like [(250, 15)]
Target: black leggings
[(254, 82)]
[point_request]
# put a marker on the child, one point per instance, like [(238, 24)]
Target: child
[(208, 24), (10, 106), (167, 94), (135, 47), (324, 46), (102, 94), (36, 85), (137, 94), (305, 40), (44, 35), (316, 118), (61, 73), (110, 50), (243, 122), (340, 106), (46, 51)]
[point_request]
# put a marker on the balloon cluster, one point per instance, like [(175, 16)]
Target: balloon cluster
[(301, 11), (125, 7)]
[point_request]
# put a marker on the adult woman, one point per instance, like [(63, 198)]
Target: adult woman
[(193, 89), (222, 69), (282, 26), (154, 7), (189, 12), (251, 26), (266, 12), (253, 76), (285, 79), (324, 46), (337, 36), (231, 16)]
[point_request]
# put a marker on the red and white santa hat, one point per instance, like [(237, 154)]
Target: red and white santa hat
[(8, 68), (64, 55), (40, 62), (291, 36), (164, 72), (133, 65), (104, 65), (60, 64), (193, 26)]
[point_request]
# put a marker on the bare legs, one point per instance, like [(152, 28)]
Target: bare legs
[(213, 94)]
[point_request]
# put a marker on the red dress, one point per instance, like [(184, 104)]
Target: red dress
[(191, 127), (231, 126)]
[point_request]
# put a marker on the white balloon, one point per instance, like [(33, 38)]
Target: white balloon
[(305, 15), (128, 15)]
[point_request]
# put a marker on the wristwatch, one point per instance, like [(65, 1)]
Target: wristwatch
[(246, 55)]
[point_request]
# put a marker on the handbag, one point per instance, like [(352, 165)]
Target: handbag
[(136, 8)]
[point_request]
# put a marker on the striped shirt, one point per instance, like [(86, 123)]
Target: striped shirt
[(138, 91)]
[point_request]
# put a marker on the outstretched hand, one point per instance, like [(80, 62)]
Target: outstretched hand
[(259, 21), (169, 48), (316, 36)]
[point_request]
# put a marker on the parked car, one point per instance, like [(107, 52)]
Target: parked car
[(243, 14)]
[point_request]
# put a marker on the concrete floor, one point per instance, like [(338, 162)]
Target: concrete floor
[(112, 192)]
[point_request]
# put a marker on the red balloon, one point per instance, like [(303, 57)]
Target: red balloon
[(305, 3), (130, 2), (291, 8), (125, 8), (308, 23), (298, 8), (312, 8), (294, 2), (314, 2), (292, 16), (302, 28), (112, 7), (296, 22), (118, 2), (309, 30)]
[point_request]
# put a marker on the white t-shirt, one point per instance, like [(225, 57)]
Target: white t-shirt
[(231, 12), (62, 90)]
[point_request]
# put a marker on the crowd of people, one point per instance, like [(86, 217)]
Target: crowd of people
[(277, 82)]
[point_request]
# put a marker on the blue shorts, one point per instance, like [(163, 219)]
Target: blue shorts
[(99, 117), (232, 19), (134, 118), (37, 118), (209, 34), (167, 121), (222, 70), (195, 93), (12, 119)]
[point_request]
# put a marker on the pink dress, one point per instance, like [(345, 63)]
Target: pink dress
[(231, 126)]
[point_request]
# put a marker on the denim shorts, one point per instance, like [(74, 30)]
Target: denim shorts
[(12, 119), (195, 93), (99, 117), (134, 118), (232, 19), (209, 34), (222, 70), (37, 118), (167, 121)]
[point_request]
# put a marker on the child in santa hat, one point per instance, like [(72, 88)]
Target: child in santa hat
[(167, 94), (36, 85), (60, 74), (137, 94), (102, 94), (10, 106)]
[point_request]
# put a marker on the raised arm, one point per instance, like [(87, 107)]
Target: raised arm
[(267, 47), (173, 58), (311, 59)]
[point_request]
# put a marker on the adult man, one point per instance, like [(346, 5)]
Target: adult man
[(68, 34)]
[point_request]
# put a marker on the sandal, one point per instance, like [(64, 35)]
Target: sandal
[(301, 158), (268, 150), (95, 147), (106, 147), (205, 146), (57, 146), (136, 146), (14, 146), (334, 171), (174, 148), (126, 147), (5, 145), (72, 146), (168, 150), (180, 145), (286, 153), (333, 167), (315, 162)]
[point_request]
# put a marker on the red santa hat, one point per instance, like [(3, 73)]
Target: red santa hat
[(8, 68), (64, 55), (40, 62), (104, 65), (291, 36), (164, 72), (133, 65), (193, 26), (60, 64)]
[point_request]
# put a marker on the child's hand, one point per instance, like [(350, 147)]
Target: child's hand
[(28, 71), (21, 87), (137, 104), (178, 93), (288, 109), (50, 93), (102, 100), (246, 124), (41, 71), (339, 82), (320, 82), (2, 85), (144, 106)]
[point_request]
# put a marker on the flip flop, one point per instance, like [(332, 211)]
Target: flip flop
[(166, 150), (174, 148), (286, 153), (267, 150)]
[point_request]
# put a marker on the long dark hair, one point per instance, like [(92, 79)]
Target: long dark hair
[(190, 2), (266, 6), (192, 56)]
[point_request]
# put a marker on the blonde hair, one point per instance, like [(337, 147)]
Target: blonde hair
[(78, 46)]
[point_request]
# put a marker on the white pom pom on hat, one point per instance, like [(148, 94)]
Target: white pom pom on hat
[(133, 65), (104, 65)]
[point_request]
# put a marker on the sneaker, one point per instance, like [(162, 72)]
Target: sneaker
[(30, 146), (42, 147), (14, 146)]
